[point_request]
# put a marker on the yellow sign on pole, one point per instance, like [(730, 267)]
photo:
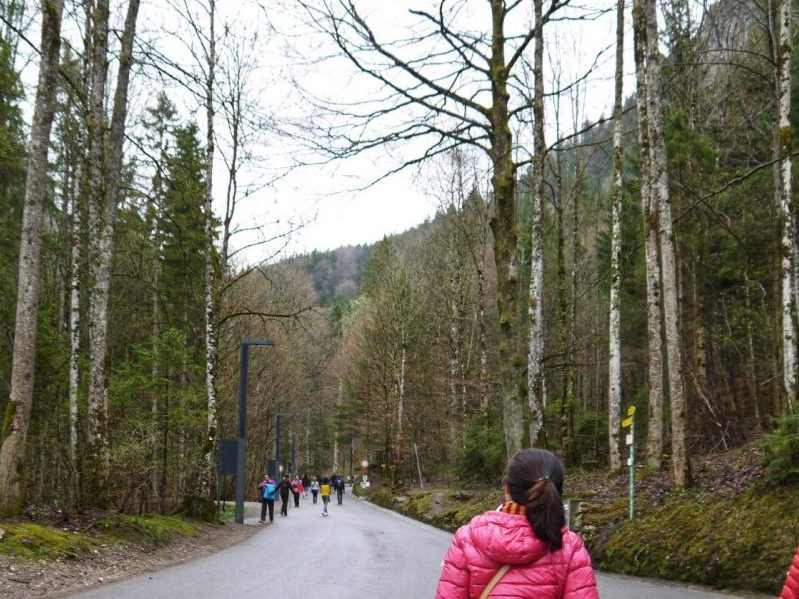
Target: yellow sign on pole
[(631, 410), (627, 422)]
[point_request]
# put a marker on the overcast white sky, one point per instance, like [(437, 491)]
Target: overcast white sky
[(400, 202), (325, 197)]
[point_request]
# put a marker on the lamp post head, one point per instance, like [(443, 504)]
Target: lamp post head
[(257, 342)]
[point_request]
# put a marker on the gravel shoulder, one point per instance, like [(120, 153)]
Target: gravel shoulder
[(110, 563)]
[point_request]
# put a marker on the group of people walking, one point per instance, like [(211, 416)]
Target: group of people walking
[(269, 490)]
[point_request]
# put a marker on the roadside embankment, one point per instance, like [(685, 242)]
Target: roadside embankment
[(731, 530)]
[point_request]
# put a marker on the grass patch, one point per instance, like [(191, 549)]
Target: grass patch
[(35, 541), (157, 530)]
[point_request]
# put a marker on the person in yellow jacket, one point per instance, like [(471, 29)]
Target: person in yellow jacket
[(324, 491)]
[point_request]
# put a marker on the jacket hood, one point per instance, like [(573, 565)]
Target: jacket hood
[(506, 538)]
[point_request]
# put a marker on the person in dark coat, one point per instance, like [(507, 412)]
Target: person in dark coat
[(306, 483), (339, 484), (285, 491)]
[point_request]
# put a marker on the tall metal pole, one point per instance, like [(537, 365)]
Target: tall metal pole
[(242, 436)]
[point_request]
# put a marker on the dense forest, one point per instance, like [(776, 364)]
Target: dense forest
[(577, 265)]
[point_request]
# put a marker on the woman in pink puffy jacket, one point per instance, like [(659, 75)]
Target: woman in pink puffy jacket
[(791, 588), (528, 533)]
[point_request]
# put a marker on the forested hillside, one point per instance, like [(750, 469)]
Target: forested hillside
[(577, 266)]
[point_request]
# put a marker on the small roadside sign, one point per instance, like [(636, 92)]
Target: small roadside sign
[(629, 422)]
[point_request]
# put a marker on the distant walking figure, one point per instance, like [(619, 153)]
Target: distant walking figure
[(339, 484), (306, 484), (296, 489), (314, 489), (523, 549), (791, 588), (324, 490), (267, 490), (285, 489)]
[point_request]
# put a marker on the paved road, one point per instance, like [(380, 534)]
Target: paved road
[(360, 550)]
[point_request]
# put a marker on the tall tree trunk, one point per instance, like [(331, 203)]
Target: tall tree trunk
[(74, 327), (339, 399), (211, 336), (651, 243), (98, 317), (785, 201), (503, 225), (614, 335), (562, 304), (535, 357), (155, 368), (106, 165), (485, 391), (455, 289), (751, 372), (401, 389), (16, 420), (668, 257)]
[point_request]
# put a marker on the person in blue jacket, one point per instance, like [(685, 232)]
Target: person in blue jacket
[(267, 490)]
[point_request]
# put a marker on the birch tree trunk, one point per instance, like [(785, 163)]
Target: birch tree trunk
[(98, 317), (668, 257), (535, 364), (14, 431), (651, 243), (211, 336), (785, 201), (614, 335), (74, 323)]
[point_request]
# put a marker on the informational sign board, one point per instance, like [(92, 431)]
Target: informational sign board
[(228, 449)]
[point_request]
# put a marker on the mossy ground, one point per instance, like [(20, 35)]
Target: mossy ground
[(732, 530), (157, 530), (34, 540)]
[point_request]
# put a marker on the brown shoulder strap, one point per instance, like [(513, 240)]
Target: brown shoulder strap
[(493, 582)]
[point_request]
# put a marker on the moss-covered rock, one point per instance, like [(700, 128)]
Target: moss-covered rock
[(34, 541), (745, 542)]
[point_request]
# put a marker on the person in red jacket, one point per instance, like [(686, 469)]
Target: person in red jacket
[(791, 588), (528, 533)]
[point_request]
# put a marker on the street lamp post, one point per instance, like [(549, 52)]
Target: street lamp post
[(242, 440)]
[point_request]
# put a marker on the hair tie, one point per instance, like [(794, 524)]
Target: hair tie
[(546, 478)]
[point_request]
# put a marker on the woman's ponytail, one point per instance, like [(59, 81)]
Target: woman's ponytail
[(535, 480)]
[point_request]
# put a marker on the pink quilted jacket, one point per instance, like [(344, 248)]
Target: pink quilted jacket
[(492, 539), (791, 588)]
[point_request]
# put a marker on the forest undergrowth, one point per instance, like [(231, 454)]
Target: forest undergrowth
[(731, 530), (47, 553)]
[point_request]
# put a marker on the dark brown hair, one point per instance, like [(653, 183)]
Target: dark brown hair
[(535, 480)]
